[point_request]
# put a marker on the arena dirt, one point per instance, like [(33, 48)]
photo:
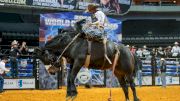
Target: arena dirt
[(171, 93)]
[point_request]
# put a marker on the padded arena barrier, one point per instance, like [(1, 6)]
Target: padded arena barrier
[(46, 80)]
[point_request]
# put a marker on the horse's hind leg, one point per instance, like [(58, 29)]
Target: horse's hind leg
[(132, 85), (124, 86)]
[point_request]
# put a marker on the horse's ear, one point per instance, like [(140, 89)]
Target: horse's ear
[(83, 21), (60, 31)]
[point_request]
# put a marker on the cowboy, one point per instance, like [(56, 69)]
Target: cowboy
[(175, 49), (98, 19), (3, 69), (24, 48), (162, 70), (14, 53), (98, 22)]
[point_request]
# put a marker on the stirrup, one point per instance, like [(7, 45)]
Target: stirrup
[(105, 53), (108, 59)]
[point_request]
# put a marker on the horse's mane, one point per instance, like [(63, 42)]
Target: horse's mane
[(66, 32), (78, 25)]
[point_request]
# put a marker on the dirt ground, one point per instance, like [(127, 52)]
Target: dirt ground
[(171, 93)]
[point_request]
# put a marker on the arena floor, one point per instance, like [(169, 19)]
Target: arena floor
[(171, 93)]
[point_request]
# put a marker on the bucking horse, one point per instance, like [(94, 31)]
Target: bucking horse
[(76, 55)]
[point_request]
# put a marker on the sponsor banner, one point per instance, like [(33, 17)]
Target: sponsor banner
[(46, 80), (19, 83), (108, 6), (21, 2), (170, 80), (84, 76), (50, 23), (69, 4), (127, 2), (146, 80), (84, 4), (23, 63)]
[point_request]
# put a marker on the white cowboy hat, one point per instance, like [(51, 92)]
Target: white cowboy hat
[(162, 59), (169, 47), (127, 46), (176, 43), (144, 46), (14, 42)]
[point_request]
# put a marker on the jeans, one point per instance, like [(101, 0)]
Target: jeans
[(14, 67), (1, 83), (139, 77), (163, 79)]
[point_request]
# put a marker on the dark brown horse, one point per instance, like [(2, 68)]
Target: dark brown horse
[(76, 56)]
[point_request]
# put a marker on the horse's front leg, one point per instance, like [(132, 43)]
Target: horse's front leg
[(68, 93), (76, 67)]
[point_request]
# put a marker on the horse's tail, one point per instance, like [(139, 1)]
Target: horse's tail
[(137, 65)]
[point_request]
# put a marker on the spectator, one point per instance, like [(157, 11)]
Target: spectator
[(163, 72), (112, 6), (24, 48), (153, 52), (128, 47), (175, 50), (160, 53), (139, 73), (168, 53), (2, 71), (133, 49), (14, 53), (145, 52), (153, 64), (139, 52)]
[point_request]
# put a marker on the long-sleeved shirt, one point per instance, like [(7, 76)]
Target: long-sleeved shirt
[(3, 68), (101, 18), (14, 52), (175, 49)]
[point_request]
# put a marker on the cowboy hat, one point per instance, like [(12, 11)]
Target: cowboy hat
[(162, 59), (176, 43), (144, 46), (91, 7), (127, 46), (14, 42)]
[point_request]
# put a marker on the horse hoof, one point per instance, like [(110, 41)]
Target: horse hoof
[(109, 99), (137, 100), (73, 98), (68, 98)]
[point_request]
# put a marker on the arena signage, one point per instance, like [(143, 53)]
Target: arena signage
[(170, 80), (22, 2), (84, 76), (108, 6), (146, 80), (53, 3), (19, 83)]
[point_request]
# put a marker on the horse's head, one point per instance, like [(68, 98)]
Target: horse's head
[(78, 25), (37, 52), (41, 54)]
